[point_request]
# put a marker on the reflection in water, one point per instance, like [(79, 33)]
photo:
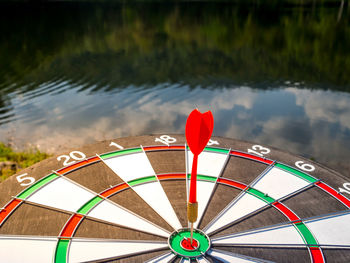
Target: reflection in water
[(287, 118), (111, 46), (74, 73)]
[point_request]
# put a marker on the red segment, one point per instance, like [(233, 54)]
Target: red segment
[(252, 157), (232, 183), (8, 209), (171, 176), (77, 165), (159, 148), (317, 255), (115, 189), (71, 226), (334, 193), (286, 211)]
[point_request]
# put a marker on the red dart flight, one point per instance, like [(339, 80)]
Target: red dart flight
[(199, 127)]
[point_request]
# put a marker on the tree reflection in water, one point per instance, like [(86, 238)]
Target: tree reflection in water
[(276, 73)]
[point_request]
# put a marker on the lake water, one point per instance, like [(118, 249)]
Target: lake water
[(277, 74)]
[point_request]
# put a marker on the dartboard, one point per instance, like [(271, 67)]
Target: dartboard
[(125, 201)]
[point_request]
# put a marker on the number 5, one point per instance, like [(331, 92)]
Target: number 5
[(21, 178)]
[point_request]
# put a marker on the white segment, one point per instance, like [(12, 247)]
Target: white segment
[(165, 258), (89, 250), (227, 257), (62, 194), (203, 188), (243, 206), (107, 211), (130, 166), (19, 249), (331, 231), (185, 260), (211, 164), (202, 260), (137, 165), (154, 195), (278, 183), (65, 195), (281, 235)]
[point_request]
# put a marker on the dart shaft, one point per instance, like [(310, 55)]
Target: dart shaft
[(193, 185), (192, 205), (192, 212)]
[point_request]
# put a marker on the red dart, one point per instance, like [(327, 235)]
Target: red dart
[(199, 127)]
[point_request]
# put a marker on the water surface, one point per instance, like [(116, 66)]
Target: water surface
[(277, 74)]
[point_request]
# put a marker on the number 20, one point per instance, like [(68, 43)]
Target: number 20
[(75, 155)]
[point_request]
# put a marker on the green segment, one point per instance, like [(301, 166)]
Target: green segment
[(61, 251), (175, 241), (90, 204), (36, 186), (296, 172), (206, 178), (211, 149), (142, 180), (261, 195), (203, 177), (309, 238), (128, 151)]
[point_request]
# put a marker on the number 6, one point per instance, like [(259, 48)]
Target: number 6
[(305, 166), (347, 187), (21, 178)]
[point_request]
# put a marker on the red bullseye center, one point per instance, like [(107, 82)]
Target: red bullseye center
[(186, 244)]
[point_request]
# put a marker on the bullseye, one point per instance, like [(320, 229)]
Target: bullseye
[(186, 244)]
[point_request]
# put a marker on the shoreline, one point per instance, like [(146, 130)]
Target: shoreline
[(15, 157), (12, 161)]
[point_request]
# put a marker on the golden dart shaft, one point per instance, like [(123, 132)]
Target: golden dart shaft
[(192, 214)]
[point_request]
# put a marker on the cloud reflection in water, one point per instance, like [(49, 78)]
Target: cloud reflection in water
[(305, 122)]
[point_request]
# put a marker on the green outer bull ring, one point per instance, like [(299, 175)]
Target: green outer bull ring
[(176, 237)]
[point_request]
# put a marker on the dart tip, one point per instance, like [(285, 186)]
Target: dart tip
[(191, 234)]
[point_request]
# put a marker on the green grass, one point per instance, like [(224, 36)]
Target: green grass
[(17, 160)]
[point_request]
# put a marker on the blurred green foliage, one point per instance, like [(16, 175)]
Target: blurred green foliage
[(112, 45), (11, 162)]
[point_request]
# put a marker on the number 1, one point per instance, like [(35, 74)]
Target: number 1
[(116, 145)]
